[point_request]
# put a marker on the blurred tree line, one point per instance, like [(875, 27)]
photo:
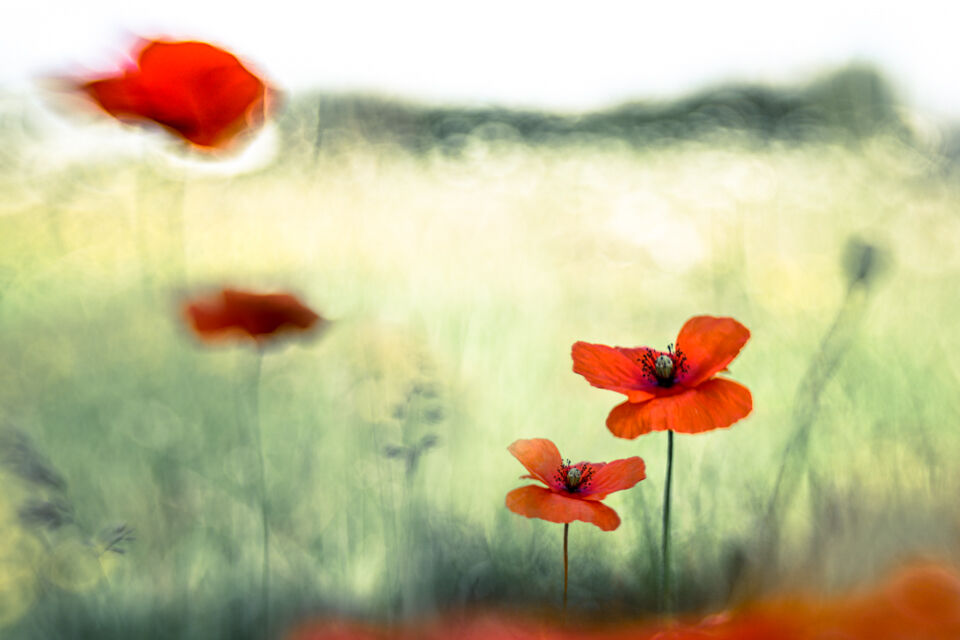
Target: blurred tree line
[(853, 102)]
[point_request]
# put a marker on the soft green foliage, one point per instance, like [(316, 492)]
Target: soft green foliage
[(455, 286)]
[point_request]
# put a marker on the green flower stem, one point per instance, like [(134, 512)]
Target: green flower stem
[(666, 594), (566, 533), (262, 480)]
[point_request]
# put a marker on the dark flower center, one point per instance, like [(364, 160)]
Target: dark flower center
[(574, 477), (663, 367)]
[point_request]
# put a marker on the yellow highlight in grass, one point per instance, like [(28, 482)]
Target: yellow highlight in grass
[(17, 591), (73, 566)]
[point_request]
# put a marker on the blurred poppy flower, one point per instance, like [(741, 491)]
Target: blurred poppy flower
[(918, 601), (340, 630), (573, 491), (673, 390), (255, 315), (199, 92)]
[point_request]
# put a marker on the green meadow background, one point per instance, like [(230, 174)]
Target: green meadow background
[(458, 254)]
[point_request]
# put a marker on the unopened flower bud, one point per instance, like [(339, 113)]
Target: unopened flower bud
[(862, 261)]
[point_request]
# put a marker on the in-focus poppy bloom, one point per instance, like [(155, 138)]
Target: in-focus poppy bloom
[(255, 315), (673, 390), (573, 491), (199, 92)]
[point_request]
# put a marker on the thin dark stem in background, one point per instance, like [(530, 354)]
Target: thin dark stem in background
[(647, 522), (822, 367), (262, 479), (566, 533), (665, 533)]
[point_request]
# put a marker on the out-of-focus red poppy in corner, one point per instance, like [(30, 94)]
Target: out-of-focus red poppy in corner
[(333, 629), (573, 491), (677, 389), (472, 626), (918, 602), (233, 313), (197, 91)]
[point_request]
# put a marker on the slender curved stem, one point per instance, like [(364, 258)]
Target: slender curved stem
[(820, 371), (258, 441), (665, 548), (566, 533)]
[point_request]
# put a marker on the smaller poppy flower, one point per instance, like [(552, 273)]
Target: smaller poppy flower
[(672, 390), (200, 92), (254, 315), (572, 491)]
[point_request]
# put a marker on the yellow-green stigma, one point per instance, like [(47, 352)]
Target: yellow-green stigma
[(663, 367)]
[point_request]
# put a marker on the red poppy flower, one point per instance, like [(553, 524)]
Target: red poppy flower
[(199, 92), (674, 389), (918, 601), (340, 630), (573, 491), (255, 315)]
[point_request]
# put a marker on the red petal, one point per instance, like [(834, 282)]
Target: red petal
[(173, 61), (534, 501), (201, 93), (926, 593), (614, 476), (253, 314), (541, 458), (333, 629), (261, 314), (207, 319), (715, 404), (612, 368), (121, 97), (709, 344)]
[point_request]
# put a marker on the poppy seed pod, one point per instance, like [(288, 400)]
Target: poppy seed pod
[(862, 261)]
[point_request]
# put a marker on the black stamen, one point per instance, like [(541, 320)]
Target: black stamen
[(562, 476), (648, 364)]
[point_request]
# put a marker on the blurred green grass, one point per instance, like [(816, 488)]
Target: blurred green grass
[(456, 284)]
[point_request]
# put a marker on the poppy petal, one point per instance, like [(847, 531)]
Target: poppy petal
[(715, 404), (612, 368), (255, 315), (926, 593), (541, 458), (199, 92), (534, 501), (120, 97), (709, 345), (261, 314), (206, 318), (613, 476)]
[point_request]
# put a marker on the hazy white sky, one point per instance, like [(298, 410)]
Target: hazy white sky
[(560, 54)]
